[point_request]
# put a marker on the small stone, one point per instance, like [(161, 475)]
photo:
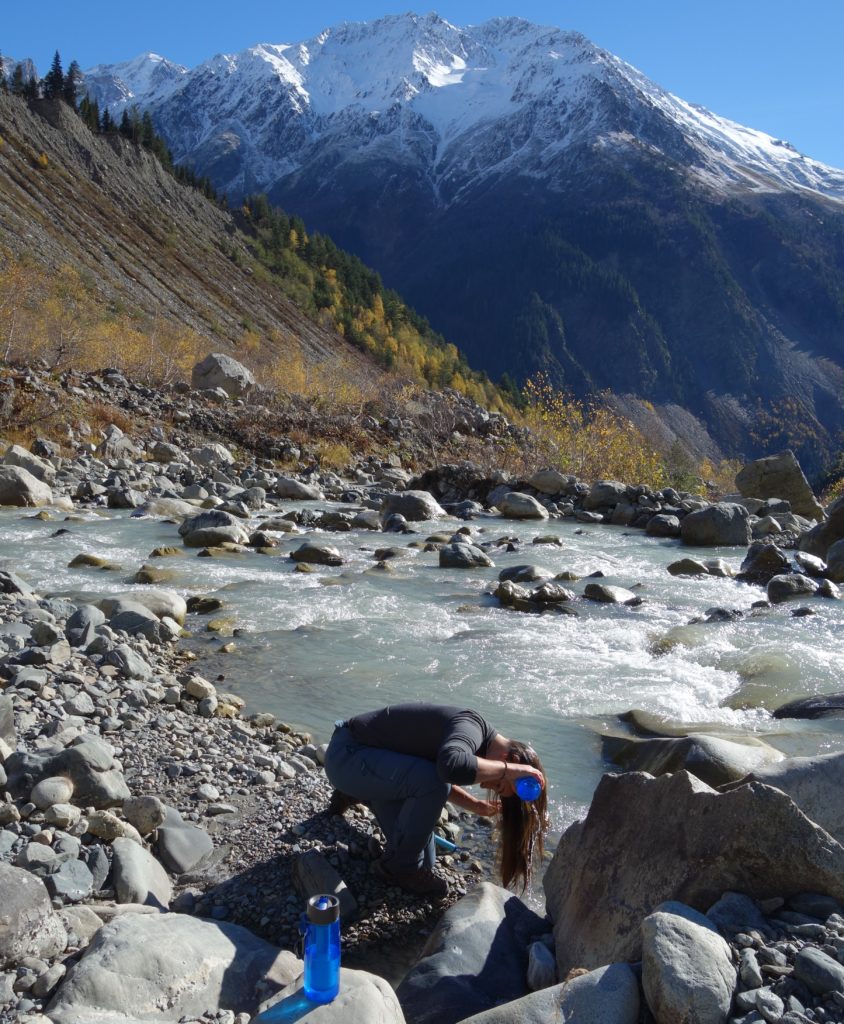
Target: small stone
[(62, 815), (770, 1005), (46, 982), (200, 688), (81, 704), (55, 790), (146, 813), (73, 881), (751, 976)]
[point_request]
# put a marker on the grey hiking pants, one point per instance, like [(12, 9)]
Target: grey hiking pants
[(405, 793)]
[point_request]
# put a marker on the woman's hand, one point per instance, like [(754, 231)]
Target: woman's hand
[(520, 771), (464, 800), (487, 808)]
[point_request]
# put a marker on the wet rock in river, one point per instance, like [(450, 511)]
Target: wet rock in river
[(762, 562), (515, 505), (317, 554), (721, 524), (414, 505), (712, 759), (463, 556), (786, 587), (20, 487)]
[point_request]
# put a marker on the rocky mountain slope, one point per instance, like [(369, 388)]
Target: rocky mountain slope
[(146, 242), (546, 206)]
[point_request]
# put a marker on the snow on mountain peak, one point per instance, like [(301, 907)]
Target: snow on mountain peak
[(552, 87)]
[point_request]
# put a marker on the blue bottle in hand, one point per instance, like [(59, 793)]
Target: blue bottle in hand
[(322, 949), (527, 787)]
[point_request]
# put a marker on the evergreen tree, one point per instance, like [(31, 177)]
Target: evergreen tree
[(72, 81), (89, 111), (30, 88), (125, 128), (53, 84), (107, 125), (147, 131), (18, 83)]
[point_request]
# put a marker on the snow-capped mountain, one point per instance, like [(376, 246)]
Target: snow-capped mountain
[(145, 81), (459, 104), (8, 65), (544, 204)]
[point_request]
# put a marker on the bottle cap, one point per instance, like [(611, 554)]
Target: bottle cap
[(527, 787), (323, 909)]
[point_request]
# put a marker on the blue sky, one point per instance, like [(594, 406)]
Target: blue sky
[(775, 65)]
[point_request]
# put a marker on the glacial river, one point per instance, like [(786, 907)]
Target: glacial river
[(311, 648)]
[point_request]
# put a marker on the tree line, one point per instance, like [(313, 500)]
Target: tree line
[(134, 125)]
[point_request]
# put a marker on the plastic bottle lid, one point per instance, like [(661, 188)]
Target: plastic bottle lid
[(527, 787), (323, 909)]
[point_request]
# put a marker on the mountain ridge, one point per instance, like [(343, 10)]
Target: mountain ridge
[(450, 81)]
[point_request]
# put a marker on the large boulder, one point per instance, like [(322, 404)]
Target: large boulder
[(218, 370), (170, 508), (762, 562), (475, 958), (463, 556), (720, 525), (548, 481), (612, 869), (603, 494), (712, 759), (820, 538), (181, 845), (415, 506), (290, 487), (154, 967), (89, 765), (815, 784), (138, 877), (28, 926), (159, 603), (789, 586), (116, 445), (824, 705), (608, 995), (317, 554), (211, 528), (687, 968), (39, 468), (19, 487), (211, 455), (363, 999), (779, 476), (835, 562), (515, 505)]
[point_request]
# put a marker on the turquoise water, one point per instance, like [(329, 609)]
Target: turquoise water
[(311, 648)]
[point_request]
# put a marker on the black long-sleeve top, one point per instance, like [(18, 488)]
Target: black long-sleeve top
[(452, 737)]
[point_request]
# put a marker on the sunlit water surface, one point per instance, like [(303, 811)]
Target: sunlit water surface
[(311, 648)]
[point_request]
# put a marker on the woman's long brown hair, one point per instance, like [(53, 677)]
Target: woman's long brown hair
[(523, 824)]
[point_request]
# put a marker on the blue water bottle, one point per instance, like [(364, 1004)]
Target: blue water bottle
[(322, 949), (527, 787)]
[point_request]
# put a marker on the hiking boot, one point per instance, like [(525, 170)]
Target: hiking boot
[(341, 802), (421, 882)]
